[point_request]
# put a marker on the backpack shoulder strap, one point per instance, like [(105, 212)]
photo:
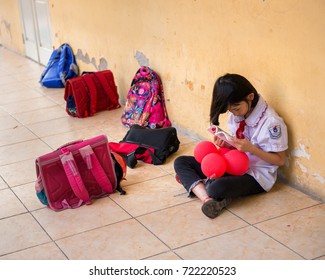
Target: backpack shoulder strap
[(67, 59), (146, 109), (96, 169), (162, 98), (106, 79), (71, 170), (92, 93), (53, 58)]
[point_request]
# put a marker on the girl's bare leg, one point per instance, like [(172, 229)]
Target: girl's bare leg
[(201, 193)]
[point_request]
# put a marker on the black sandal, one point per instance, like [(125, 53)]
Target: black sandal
[(213, 208)]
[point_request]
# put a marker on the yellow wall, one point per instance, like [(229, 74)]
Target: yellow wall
[(279, 45), (10, 26)]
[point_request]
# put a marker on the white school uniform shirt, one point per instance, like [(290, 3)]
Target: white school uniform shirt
[(266, 130)]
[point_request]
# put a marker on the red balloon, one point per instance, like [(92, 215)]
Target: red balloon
[(204, 148), (213, 165), (223, 150), (237, 162)]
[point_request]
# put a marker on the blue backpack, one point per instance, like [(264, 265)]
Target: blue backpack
[(60, 67)]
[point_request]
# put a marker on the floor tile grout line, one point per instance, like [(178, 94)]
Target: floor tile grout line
[(254, 226), (153, 234), (312, 195), (10, 145), (91, 229), (16, 162), (282, 215), (88, 230), (176, 248), (22, 141), (26, 125), (35, 219), (75, 234), (44, 230), (289, 213), (214, 236), (61, 250), (158, 254), (279, 242), (23, 100), (16, 214), (3, 179), (155, 211), (136, 219), (321, 256), (148, 180), (275, 217), (34, 110), (3, 106), (31, 247)]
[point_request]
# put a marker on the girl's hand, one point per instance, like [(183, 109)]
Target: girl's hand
[(218, 141), (276, 158), (244, 145), (221, 143)]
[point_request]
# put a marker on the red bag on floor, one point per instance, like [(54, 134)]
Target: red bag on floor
[(146, 144), (132, 153), (75, 173), (90, 93)]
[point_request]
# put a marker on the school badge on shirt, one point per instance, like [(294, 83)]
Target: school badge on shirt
[(275, 131)]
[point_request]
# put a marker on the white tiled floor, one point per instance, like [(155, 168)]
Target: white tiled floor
[(155, 220)]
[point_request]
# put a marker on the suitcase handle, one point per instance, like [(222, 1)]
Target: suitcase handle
[(96, 169), (71, 170), (62, 148)]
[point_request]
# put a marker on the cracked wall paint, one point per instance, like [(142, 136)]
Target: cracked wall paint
[(319, 178), (141, 58), (302, 167), (189, 84), (7, 27), (102, 65), (300, 152)]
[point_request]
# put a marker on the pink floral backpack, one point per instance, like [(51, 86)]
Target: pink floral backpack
[(145, 103)]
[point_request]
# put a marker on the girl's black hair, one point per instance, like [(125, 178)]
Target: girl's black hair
[(230, 89)]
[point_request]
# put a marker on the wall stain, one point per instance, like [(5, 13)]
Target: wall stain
[(102, 65), (167, 77), (7, 26), (189, 84), (300, 152), (319, 178), (141, 58)]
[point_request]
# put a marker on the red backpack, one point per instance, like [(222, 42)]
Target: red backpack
[(145, 103), (78, 172), (90, 93)]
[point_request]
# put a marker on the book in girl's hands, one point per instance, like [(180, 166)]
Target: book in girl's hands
[(217, 131)]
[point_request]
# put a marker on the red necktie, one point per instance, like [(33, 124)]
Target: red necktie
[(240, 130)]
